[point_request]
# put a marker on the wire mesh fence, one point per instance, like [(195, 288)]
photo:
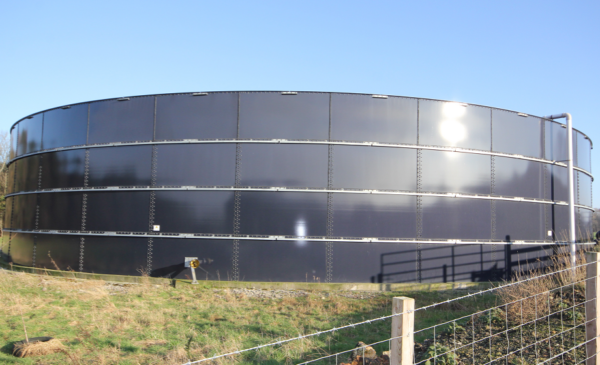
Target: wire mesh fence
[(540, 317), (530, 330)]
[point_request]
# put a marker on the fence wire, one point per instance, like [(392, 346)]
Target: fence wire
[(545, 327)]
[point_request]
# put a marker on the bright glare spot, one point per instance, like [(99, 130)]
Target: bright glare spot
[(301, 230), (454, 110), (453, 131)]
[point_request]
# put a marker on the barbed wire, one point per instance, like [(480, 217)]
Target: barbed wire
[(370, 321)]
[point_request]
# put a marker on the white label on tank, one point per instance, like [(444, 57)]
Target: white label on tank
[(156, 228), (549, 233)]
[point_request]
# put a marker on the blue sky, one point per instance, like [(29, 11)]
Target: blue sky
[(536, 57)]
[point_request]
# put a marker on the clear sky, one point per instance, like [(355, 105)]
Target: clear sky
[(536, 57)]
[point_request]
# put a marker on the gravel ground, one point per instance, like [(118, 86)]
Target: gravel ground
[(114, 288), (260, 293), (281, 293)]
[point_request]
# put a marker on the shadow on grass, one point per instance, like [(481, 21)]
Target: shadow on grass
[(8, 348)]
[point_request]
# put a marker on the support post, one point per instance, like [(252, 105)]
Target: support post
[(403, 327), (592, 308), (572, 228), (194, 276)]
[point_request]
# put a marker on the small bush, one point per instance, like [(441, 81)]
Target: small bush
[(444, 355)]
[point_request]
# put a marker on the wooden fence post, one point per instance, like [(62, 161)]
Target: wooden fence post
[(592, 308), (403, 348)]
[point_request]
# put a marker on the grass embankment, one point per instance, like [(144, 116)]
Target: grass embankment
[(104, 323), (541, 319), (552, 335)]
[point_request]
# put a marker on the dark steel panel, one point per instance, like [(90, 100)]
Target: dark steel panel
[(4, 246), (272, 115), (584, 188), (283, 213), (369, 215), (194, 211), (436, 263), (118, 211), (196, 117), (560, 222), (14, 135), (11, 177), (558, 190), (65, 127), (61, 211), (122, 121), (519, 221), (63, 169), (30, 134), (27, 171), (215, 256), (115, 255), (451, 218), (455, 172), (520, 178), (556, 142), (196, 164), (515, 134), (547, 180), (452, 124), (361, 167), (24, 212), (120, 166), (21, 249), (7, 223), (527, 257), (575, 186), (478, 263), (7, 214), (374, 262), (584, 225), (282, 261), (284, 165), (364, 118), (575, 162), (57, 252), (584, 149)]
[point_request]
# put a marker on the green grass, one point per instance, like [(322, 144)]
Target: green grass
[(159, 324)]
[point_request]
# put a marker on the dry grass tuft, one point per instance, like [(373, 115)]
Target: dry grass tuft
[(562, 260), (149, 343), (176, 356), (529, 300), (38, 348)]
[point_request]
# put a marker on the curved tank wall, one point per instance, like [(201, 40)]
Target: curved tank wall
[(285, 186)]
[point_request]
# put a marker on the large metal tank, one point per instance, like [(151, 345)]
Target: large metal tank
[(290, 186)]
